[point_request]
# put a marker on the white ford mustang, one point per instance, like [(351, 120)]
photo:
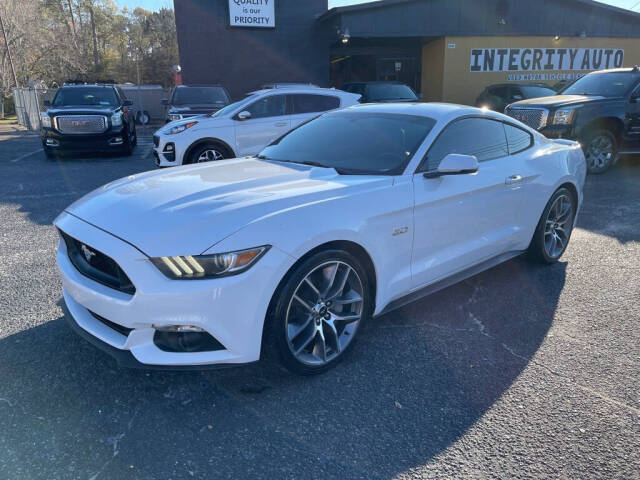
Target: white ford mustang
[(346, 217)]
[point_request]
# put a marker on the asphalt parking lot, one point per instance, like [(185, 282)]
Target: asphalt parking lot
[(523, 371)]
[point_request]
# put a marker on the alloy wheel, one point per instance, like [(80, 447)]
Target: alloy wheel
[(210, 155), (558, 226), (600, 152), (324, 313)]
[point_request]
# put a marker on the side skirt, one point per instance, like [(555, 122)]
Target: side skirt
[(447, 282)]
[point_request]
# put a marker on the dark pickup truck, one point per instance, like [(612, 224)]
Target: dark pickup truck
[(601, 110), (88, 118)]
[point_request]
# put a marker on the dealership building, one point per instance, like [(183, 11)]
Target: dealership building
[(448, 50)]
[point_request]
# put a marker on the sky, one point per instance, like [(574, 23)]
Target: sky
[(157, 4)]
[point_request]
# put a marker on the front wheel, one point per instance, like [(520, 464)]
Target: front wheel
[(600, 150), (554, 229), (319, 311), (208, 152)]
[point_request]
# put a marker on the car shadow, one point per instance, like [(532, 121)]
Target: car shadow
[(415, 382)]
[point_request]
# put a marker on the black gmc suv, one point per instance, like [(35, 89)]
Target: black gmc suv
[(601, 110), (88, 118)]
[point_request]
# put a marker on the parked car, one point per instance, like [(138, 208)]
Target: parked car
[(348, 216), (88, 118), (601, 110), (245, 127), (186, 101), (497, 97), (382, 92)]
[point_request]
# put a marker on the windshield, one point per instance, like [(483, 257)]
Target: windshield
[(354, 142), (532, 91), (233, 106), (603, 84), (390, 91), (199, 96), (77, 96)]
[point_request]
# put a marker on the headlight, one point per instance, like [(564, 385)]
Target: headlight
[(174, 116), (179, 128), (45, 120), (564, 116), (116, 120), (189, 267)]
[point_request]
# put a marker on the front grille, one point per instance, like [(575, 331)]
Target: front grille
[(156, 140), (533, 117), (81, 124), (97, 266), (114, 326)]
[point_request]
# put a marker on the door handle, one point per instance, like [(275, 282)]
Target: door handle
[(281, 124), (513, 180)]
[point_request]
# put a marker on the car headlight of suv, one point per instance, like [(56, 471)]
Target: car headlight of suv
[(45, 120), (174, 116), (179, 128), (116, 120), (564, 116), (187, 267)]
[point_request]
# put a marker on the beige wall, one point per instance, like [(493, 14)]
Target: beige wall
[(458, 84)]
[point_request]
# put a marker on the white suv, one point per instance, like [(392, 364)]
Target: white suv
[(245, 127)]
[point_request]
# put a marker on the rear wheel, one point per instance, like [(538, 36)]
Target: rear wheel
[(319, 310), (209, 152), (600, 150), (554, 229)]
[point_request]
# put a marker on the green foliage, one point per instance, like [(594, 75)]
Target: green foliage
[(52, 41)]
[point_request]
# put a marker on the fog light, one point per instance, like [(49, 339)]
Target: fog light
[(184, 339), (116, 141), (51, 142), (177, 328), (169, 147)]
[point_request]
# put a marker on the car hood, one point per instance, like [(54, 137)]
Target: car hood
[(186, 210), (558, 101), (193, 109), (81, 110)]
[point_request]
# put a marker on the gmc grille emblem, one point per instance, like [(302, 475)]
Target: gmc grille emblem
[(77, 123), (87, 252)]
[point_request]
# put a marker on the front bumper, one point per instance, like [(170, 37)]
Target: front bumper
[(230, 309), (166, 151), (104, 142)]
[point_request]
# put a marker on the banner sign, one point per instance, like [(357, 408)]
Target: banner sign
[(541, 59), (252, 13)]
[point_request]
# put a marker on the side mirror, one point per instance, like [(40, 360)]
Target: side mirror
[(46, 103), (244, 115), (127, 103), (164, 101), (455, 164)]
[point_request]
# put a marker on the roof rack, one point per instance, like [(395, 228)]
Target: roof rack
[(269, 86)]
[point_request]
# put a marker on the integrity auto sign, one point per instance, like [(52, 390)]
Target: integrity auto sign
[(541, 59), (252, 13)]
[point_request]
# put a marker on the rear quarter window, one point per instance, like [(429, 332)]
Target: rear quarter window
[(308, 103), (518, 139)]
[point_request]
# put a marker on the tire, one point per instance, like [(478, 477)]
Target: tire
[(553, 232), (600, 150), (313, 322), (135, 136), (50, 154), (142, 117), (212, 150)]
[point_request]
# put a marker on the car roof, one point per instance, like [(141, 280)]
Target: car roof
[(618, 70), (199, 86), (289, 90), (438, 111)]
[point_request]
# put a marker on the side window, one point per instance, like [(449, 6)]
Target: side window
[(485, 139), (503, 91), (271, 106), (313, 103), (517, 139)]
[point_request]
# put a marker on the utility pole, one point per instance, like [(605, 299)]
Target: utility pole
[(4, 35)]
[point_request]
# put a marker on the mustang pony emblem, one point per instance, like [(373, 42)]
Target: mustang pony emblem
[(87, 252)]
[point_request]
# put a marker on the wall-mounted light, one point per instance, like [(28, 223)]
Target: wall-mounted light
[(556, 38), (345, 37)]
